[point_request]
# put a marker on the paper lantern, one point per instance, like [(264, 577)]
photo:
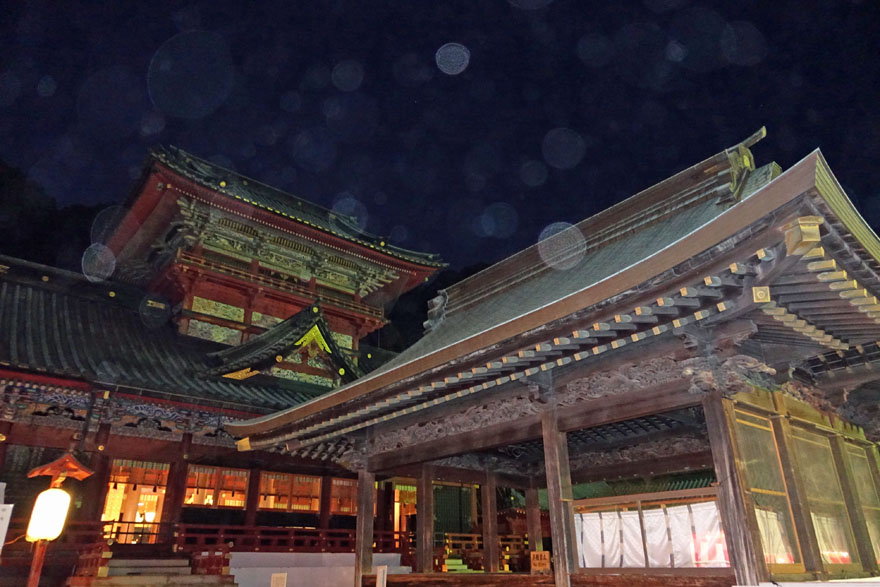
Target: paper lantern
[(49, 515)]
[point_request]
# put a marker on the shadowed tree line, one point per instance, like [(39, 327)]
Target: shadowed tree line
[(34, 227)]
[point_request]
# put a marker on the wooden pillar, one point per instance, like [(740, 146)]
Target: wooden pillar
[(175, 492), (800, 508), (363, 553), (5, 429), (533, 519), (96, 487), (853, 504), (424, 522), (326, 502), (737, 516), (253, 497), (559, 498), (489, 496), (385, 506)]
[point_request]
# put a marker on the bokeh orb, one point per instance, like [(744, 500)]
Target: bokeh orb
[(562, 246), (563, 148), (348, 75), (191, 75), (98, 263), (452, 58), (533, 173)]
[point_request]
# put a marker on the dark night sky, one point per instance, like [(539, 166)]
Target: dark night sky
[(563, 107)]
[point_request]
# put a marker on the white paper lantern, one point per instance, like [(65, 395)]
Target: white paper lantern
[(49, 515)]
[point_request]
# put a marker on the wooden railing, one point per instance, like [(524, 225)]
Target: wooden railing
[(192, 537), (83, 537), (512, 552)]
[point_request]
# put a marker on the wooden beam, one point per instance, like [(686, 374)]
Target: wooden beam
[(363, 548), (645, 469), (853, 504), (488, 494), (664, 398), (533, 519), (559, 497), (424, 562), (737, 516)]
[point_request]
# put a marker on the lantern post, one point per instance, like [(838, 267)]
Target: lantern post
[(50, 509)]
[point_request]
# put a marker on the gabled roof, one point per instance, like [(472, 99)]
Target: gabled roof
[(516, 294), (55, 322), (279, 340), (784, 259), (260, 195)]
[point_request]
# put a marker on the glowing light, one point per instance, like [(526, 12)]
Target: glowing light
[(49, 515)]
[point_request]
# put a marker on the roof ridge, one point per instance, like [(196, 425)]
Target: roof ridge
[(636, 213), (177, 160)]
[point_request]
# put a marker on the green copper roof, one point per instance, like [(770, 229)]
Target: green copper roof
[(57, 323), (279, 340), (273, 200)]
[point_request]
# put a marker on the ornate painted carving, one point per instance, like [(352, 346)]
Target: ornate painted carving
[(353, 458), (218, 309), (474, 417), (643, 451), (213, 332)]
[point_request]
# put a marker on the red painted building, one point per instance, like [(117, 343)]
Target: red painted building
[(228, 300)]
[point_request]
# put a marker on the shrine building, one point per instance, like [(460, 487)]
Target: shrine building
[(230, 299), (688, 380)]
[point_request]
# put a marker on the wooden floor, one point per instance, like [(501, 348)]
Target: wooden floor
[(522, 580)]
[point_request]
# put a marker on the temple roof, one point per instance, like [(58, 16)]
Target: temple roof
[(783, 260), (309, 323), (274, 200), (57, 323)]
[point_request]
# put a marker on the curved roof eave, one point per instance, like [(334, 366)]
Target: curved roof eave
[(797, 180)]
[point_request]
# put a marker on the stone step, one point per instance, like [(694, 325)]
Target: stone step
[(119, 571), (148, 562), (158, 580)]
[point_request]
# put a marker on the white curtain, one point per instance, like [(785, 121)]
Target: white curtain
[(589, 531), (633, 551), (657, 537), (611, 539), (772, 530), (710, 547), (614, 539)]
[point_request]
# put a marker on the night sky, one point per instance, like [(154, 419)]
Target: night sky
[(461, 128)]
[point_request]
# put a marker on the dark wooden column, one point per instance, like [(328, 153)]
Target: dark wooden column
[(176, 489), (533, 519), (384, 506), (425, 522), (737, 515), (363, 550), (559, 498), (490, 523), (853, 504), (5, 429), (95, 487), (800, 508), (326, 493), (253, 498)]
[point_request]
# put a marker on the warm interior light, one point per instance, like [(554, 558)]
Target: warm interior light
[(150, 517), (49, 515)]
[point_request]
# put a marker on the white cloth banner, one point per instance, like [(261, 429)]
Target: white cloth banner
[(5, 516), (633, 551), (684, 536), (657, 538)]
